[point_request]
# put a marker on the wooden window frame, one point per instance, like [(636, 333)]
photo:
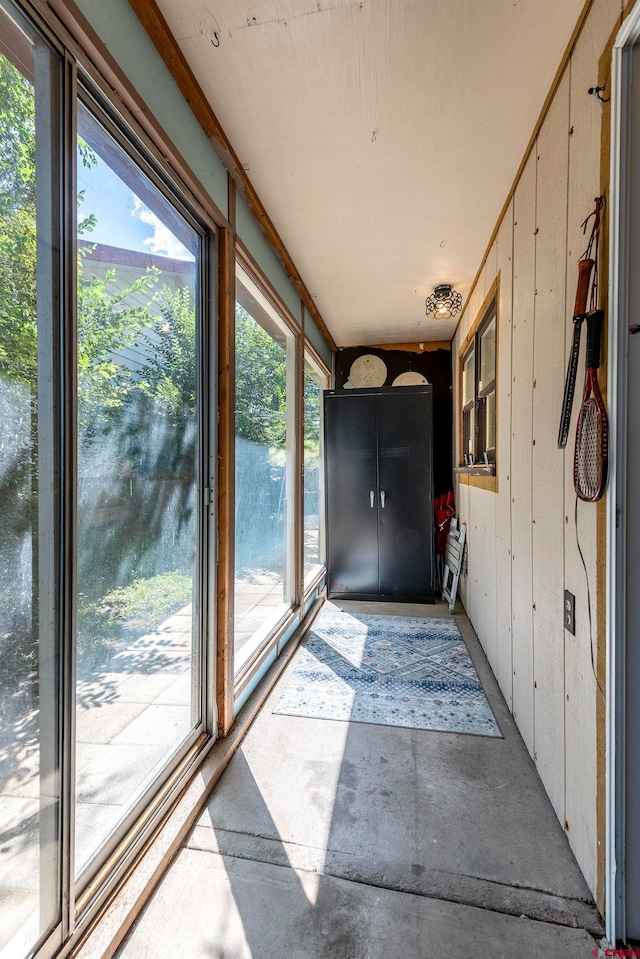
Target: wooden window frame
[(482, 471), (311, 357)]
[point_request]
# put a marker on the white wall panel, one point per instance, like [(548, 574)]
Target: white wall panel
[(580, 704), (487, 508), (487, 504), (548, 460), (490, 267), (463, 512), (475, 301), (504, 264), (474, 573), (524, 245)]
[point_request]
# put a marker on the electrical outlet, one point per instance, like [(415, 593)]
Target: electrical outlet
[(570, 612)]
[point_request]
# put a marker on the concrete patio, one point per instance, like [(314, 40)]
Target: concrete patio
[(259, 604)]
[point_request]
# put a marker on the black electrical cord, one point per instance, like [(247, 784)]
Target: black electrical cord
[(586, 576)]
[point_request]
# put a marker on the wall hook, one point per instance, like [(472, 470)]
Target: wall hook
[(596, 91)]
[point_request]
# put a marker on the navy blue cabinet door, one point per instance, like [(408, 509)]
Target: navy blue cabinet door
[(405, 505), (352, 499), (379, 482)]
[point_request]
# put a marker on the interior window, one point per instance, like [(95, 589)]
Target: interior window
[(486, 390), (468, 406), (478, 394)]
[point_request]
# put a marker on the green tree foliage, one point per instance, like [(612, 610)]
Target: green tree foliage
[(312, 400), (17, 225), (261, 383), (17, 140), (169, 376), (18, 325), (108, 324)]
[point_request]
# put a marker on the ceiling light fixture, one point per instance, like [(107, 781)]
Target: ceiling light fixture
[(443, 302)]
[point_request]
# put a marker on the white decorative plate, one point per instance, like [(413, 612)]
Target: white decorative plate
[(368, 370), (410, 378)]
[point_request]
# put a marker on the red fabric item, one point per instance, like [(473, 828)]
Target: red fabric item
[(444, 510)]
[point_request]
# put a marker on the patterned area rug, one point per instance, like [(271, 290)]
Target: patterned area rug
[(390, 670)]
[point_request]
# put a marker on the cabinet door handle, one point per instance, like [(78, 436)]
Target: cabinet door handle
[(382, 497), (372, 498)]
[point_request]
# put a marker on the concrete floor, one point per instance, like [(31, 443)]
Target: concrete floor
[(132, 713), (333, 840)]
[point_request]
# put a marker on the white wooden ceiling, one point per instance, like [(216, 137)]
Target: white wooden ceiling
[(381, 135)]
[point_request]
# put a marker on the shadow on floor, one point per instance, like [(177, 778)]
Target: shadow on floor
[(348, 840)]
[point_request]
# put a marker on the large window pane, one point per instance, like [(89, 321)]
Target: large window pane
[(265, 352), (468, 378), (137, 484), (314, 383), (488, 355), (29, 231), (489, 436)]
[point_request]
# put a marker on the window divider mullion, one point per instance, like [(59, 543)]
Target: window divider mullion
[(226, 478), (68, 519), (298, 492), (209, 434)]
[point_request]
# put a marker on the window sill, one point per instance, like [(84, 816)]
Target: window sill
[(482, 477), (475, 470)]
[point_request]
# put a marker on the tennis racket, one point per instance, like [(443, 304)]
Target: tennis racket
[(579, 311), (592, 436)]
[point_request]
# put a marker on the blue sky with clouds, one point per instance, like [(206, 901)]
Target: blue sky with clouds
[(122, 219)]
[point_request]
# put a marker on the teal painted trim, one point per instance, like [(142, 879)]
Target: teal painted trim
[(316, 339), (126, 39), (271, 658), (258, 246), (256, 680), (314, 594), (313, 597), (287, 636)]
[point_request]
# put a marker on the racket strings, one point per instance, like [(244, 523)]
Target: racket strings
[(589, 447)]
